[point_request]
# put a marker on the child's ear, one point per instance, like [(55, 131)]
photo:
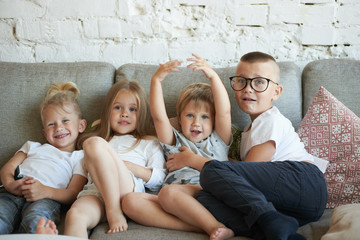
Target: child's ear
[(277, 92), (82, 125)]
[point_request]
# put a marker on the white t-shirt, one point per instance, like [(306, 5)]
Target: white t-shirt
[(147, 153), (51, 166), (272, 125)]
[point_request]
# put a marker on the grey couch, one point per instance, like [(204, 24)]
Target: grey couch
[(23, 85)]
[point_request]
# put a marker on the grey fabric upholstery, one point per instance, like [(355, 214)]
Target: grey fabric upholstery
[(339, 76), (289, 103), (24, 85)]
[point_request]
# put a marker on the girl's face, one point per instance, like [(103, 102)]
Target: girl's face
[(197, 121), (124, 110), (61, 126)]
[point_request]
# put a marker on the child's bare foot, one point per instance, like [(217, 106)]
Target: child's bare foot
[(222, 233), (117, 222), (46, 228)]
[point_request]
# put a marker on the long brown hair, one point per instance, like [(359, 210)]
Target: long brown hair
[(144, 126)]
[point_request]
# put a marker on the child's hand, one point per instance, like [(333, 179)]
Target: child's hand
[(14, 187), (165, 69), (201, 64), (33, 190), (179, 160)]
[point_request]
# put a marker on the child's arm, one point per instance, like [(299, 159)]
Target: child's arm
[(139, 171), (7, 174), (33, 190), (157, 106), (186, 158), (221, 98), (261, 153)]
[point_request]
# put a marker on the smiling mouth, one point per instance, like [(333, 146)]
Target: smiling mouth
[(61, 136), (124, 123), (195, 132)]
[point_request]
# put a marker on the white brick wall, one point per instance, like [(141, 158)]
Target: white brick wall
[(155, 31)]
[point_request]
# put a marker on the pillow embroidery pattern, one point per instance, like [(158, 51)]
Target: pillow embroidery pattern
[(331, 131)]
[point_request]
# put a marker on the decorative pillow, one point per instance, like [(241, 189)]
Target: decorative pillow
[(344, 223), (331, 131)]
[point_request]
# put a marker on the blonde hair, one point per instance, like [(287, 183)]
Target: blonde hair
[(144, 126), (61, 94), (199, 93)]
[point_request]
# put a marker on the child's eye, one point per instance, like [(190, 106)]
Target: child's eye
[(133, 109), (66, 120), (205, 117), (51, 125), (117, 107), (190, 115)]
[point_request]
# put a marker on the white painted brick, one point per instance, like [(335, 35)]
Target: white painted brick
[(134, 7), (349, 1), (91, 28), (16, 53), (154, 52), (348, 35), (109, 28), (249, 14), (348, 14), (316, 1), (21, 9), (117, 53), (307, 14), (211, 51), (70, 51), (6, 33), (49, 30), (317, 35), (137, 26), (80, 8)]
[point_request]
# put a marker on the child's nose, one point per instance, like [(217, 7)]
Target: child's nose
[(124, 113)]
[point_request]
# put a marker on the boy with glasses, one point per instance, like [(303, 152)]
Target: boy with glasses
[(276, 187)]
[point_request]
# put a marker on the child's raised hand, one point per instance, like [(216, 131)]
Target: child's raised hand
[(165, 69), (201, 64)]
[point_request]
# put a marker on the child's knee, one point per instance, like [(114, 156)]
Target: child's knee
[(130, 203), (93, 143), (168, 194)]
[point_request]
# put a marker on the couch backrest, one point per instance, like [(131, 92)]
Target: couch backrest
[(289, 102), (24, 85), (339, 76)]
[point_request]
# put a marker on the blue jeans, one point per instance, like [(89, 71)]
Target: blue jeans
[(17, 214), (237, 193)]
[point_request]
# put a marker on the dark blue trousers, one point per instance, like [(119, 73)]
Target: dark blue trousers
[(237, 193)]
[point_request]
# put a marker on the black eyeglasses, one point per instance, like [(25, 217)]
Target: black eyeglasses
[(259, 84)]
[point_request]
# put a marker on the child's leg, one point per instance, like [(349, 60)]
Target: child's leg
[(85, 213), (180, 201), (251, 188), (145, 209), (33, 211), (111, 177), (46, 227), (10, 211)]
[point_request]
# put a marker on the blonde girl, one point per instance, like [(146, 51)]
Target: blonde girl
[(41, 177), (121, 156)]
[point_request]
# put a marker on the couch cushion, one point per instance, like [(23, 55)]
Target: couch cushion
[(338, 76), (289, 103), (24, 85)]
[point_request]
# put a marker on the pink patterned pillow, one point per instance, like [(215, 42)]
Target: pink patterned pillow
[(331, 131)]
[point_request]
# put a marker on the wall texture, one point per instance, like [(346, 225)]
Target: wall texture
[(155, 31)]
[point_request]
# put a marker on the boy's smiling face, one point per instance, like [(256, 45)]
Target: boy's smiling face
[(252, 102)]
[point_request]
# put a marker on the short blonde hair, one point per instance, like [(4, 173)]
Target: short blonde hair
[(197, 92), (61, 94)]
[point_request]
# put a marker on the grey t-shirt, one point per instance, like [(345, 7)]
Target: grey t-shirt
[(212, 147)]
